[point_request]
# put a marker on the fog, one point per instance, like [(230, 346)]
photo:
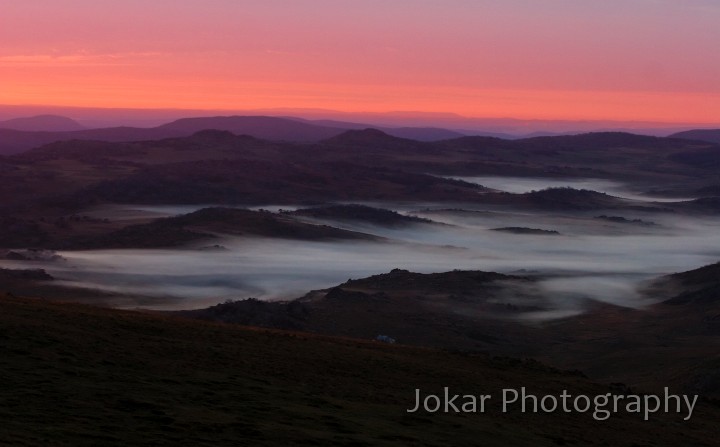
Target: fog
[(132, 212), (520, 185), (591, 259)]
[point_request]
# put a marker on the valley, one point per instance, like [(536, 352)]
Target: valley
[(555, 249)]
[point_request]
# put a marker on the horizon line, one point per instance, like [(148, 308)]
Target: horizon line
[(391, 113)]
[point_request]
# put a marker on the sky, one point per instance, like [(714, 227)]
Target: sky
[(632, 60)]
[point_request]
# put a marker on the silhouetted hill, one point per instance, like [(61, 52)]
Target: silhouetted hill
[(601, 140), (572, 198), (412, 133), (206, 224), (467, 282), (476, 141), (526, 230), (711, 190), (695, 287), (704, 158), (46, 123), (269, 128), (667, 344), (369, 137), (214, 166), (18, 232), (458, 309), (422, 133), (76, 375), (10, 275), (709, 274), (360, 214), (260, 223), (264, 127), (564, 198), (579, 142), (710, 205), (375, 147), (710, 135), (217, 166), (598, 155), (254, 312), (16, 141), (625, 220)]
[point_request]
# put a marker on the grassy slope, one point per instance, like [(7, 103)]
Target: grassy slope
[(77, 375)]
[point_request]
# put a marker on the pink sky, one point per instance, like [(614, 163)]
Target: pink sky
[(551, 59)]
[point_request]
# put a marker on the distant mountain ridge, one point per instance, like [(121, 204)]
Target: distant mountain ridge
[(370, 136), (412, 133), (42, 123), (21, 134), (263, 127), (709, 135)]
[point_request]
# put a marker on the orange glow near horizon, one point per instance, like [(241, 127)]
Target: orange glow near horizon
[(630, 60)]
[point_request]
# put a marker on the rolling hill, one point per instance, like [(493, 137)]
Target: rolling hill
[(82, 376), (270, 128), (360, 214), (42, 123), (206, 224), (412, 133), (22, 134), (671, 343), (710, 135)]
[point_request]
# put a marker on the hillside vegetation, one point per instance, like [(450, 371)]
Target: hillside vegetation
[(82, 376)]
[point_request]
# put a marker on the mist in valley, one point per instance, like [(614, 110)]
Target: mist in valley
[(590, 258), (519, 185)]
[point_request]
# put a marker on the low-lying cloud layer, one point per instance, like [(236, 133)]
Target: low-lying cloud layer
[(591, 258)]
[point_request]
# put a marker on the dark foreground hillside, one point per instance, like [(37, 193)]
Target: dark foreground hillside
[(75, 375)]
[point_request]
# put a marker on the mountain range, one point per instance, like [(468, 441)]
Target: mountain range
[(23, 134), (20, 134)]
